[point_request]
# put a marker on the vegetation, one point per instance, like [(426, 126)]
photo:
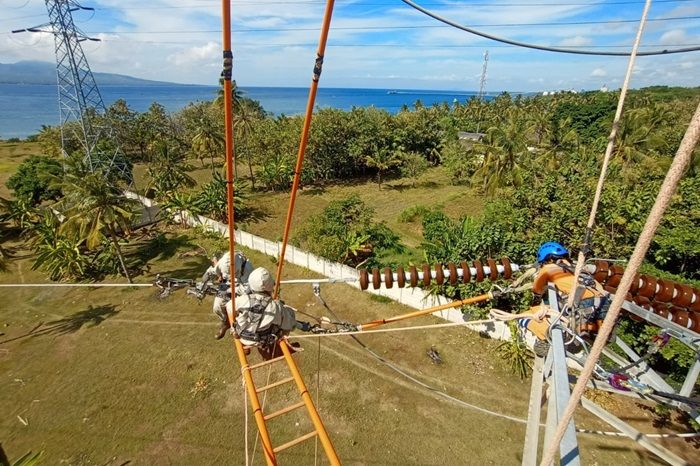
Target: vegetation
[(346, 232), (31, 182)]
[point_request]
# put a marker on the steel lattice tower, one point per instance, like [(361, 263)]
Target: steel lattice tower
[(78, 95)]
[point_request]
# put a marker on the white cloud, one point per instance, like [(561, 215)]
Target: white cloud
[(575, 41), (674, 37), (599, 73), (196, 56)]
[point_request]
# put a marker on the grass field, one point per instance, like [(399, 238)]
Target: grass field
[(115, 376), (268, 210)]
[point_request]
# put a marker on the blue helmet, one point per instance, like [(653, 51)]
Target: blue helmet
[(550, 248)]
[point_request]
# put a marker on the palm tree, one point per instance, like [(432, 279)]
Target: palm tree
[(383, 159), (169, 171), (243, 125), (503, 149), (94, 207), (208, 140)]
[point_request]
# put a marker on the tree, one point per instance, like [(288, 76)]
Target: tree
[(168, 172), (503, 148), (243, 123), (208, 141), (383, 160), (413, 165), (31, 181), (95, 208)]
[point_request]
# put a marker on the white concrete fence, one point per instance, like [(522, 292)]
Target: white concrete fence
[(411, 297)]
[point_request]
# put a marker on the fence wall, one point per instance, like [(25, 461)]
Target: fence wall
[(411, 297)]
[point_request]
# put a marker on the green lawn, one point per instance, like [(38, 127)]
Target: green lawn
[(113, 376), (116, 376)]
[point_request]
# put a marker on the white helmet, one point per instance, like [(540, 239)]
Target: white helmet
[(260, 281)]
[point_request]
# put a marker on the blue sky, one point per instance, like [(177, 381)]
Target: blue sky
[(373, 43)]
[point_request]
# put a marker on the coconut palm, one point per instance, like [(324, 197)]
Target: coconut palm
[(208, 141), (503, 149), (95, 208), (243, 121), (383, 159)]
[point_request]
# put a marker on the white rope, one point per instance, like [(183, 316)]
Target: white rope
[(663, 199), (400, 329), (608, 153)]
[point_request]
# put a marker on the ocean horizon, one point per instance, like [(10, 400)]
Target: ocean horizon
[(24, 108)]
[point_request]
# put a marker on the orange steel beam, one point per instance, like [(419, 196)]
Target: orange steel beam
[(306, 398), (304, 137), (430, 310), (228, 133)]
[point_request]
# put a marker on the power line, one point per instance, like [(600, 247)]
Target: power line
[(536, 46), (352, 3), (416, 26)]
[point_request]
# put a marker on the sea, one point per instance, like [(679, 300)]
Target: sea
[(24, 108)]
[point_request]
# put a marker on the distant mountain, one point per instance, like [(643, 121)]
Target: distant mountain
[(41, 72)]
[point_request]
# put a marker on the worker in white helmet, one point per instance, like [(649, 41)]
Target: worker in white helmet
[(260, 319), (219, 273)]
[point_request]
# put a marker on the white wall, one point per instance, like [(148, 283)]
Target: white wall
[(411, 297)]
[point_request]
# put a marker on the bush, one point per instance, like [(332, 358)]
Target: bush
[(31, 182), (346, 232), (413, 213)]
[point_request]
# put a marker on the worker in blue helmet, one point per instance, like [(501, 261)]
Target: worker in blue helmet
[(555, 267), (551, 251)]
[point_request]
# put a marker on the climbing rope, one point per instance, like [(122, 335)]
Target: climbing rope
[(663, 199), (586, 249)]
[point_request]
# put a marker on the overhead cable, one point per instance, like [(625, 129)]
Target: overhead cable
[(416, 26), (541, 47)]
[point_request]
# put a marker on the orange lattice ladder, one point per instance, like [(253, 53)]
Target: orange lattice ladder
[(306, 401)]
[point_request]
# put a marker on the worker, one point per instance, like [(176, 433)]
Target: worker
[(555, 267), (261, 320), (219, 274)]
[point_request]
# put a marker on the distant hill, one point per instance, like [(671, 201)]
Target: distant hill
[(40, 72)]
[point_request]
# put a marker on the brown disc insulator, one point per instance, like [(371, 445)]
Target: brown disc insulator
[(610, 289), (376, 279), (601, 271), (648, 288), (426, 275), (401, 276), (634, 287), (414, 276), (439, 274), (479, 271), (493, 269), (453, 273), (695, 318), (665, 294), (682, 318), (662, 309), (507, 269), (466, 272), (388, 278), (695, 305), (684, 295), (364, 279), (643, 303), (615, 276)]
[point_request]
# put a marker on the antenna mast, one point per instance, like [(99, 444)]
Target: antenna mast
[(482, 83)]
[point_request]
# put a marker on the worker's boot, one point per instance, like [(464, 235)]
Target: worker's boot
[(222, 330)]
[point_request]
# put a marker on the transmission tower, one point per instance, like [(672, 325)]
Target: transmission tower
[(482, 83), (79, 98)]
